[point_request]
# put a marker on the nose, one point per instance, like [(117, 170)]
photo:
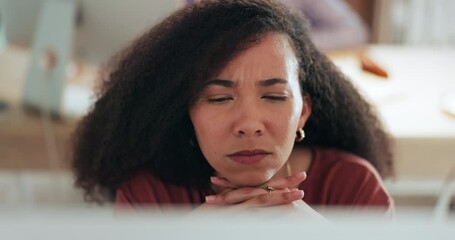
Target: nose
[(249, 121)]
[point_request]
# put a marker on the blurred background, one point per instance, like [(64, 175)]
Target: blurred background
[(399, 53)]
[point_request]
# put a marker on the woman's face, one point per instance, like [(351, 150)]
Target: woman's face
[(246, 118)]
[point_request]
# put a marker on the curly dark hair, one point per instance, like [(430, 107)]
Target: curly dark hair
[(141, 118)]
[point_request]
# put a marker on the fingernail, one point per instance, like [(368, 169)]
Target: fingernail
[(210, 198), (301, 175), (213, 179), (298, 194)]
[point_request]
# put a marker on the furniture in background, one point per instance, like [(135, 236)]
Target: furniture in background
[(409, 102)]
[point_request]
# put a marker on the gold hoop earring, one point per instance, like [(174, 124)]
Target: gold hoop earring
[(300, 135)]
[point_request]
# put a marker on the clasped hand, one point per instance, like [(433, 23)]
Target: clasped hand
[(285, 192)]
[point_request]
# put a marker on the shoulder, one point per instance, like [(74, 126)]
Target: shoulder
[(344, 163), (351, 180), (146, 189), (142, 188)]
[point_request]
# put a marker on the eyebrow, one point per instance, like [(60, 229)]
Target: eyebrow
[(220, 82), (273, 81), (231, 84)]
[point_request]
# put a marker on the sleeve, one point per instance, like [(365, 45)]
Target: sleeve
[(122, 198), (145, 190), (125, 196), (355, 182), (140, 190)]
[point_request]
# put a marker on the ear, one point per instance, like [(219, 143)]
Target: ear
[(306, 111)]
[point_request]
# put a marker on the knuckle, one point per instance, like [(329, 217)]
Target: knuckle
[(221, 198), (291, 179), (263, 198), (288, 197)]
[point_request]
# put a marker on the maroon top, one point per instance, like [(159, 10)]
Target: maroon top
[(335, 178)]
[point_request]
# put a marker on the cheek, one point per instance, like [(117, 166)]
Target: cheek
[(208, 130), (284, 121)]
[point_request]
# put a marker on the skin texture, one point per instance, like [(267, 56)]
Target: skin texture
[(283, 193), (249, 115), (245, 114)]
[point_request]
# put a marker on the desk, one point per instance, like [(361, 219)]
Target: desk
[(409, 104)]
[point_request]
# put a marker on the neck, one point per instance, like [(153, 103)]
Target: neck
[(299, 161)]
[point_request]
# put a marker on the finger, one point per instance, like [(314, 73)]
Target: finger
[(288, 182), (222, 182), (240, 195), (235, 196), (274, 199)]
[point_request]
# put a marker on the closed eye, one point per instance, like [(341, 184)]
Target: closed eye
[(219, 100), (275, 98)]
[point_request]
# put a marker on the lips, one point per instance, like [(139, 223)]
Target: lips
[(249, 156)]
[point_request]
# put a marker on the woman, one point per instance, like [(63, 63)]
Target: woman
[(229, 103)]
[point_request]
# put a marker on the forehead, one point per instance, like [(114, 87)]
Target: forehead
[(272, 53)]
